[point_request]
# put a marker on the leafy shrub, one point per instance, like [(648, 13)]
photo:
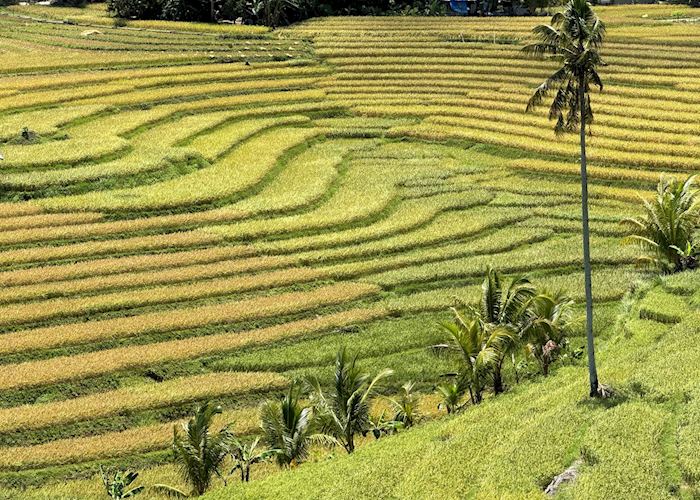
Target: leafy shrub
[(186, 10), (666, 230), (68, 3), (117, 483), (135, 9)]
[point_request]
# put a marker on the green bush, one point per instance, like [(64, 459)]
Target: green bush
[(187, 10), (69, 3), (135, 9)]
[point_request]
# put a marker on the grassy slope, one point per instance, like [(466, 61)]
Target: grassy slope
[(640, 444), (422, 232)]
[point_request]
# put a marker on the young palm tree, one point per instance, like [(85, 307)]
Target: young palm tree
[(289, 428), (477, 348), (344, 412), (667, 228), (573, 39), (247, 455), (199, 452), (405, 406), (549, 321), (502, 307), (451, 394)]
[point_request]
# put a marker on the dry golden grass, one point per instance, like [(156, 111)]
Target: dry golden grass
[(50, 371), (168, 293), (175, 240), (113, 444), (136, 398), (183, 318), (116, 267)]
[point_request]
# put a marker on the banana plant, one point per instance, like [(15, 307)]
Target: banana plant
[(117, 483), (405, 406), (246, 455)]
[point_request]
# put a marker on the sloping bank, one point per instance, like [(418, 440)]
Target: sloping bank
[(640, 444)]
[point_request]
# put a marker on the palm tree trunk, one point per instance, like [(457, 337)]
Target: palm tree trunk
[(498, 377), (351, 442), (592, 372)]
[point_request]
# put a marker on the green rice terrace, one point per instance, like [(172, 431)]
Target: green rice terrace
[(198, 212)]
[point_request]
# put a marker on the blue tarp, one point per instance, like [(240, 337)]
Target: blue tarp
[(460, 7)]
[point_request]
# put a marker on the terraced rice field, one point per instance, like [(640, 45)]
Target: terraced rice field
[(642, 445), (211, 210)]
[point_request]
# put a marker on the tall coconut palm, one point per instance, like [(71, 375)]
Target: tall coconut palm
[(344, 411), (288, 427), (667, 228), (199, 452), (573, 39)]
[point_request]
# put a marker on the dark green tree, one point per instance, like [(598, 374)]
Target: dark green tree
[(290, 428), (667, 231), (573, 39), (343, 412), (199, 452)]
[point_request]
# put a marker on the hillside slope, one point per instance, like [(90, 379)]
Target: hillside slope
[(204, 212), (640, 444)]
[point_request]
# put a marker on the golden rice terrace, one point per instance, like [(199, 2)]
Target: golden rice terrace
[(203, 212)]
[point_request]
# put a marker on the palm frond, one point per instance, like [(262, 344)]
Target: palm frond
[(169, 491), (573, 38), (546, 87)]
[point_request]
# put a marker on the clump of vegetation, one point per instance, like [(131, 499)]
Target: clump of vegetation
[(547, 323), (451, 394), (199, 452), (484, 337), (380, 426), (245, 455), (344, 411), (289, 427), (405, 406), (118, 483), (512, 315), (668, 229), (26, 136)]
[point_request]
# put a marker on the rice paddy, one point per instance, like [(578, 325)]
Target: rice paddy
[(186, 208)]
